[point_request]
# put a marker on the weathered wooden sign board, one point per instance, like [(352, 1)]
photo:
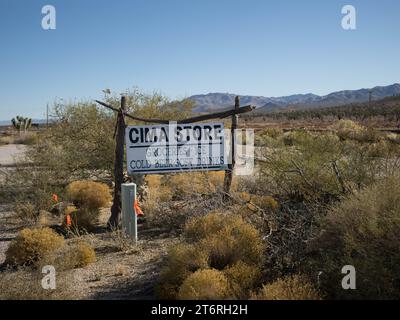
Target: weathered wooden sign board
[(175, 148)]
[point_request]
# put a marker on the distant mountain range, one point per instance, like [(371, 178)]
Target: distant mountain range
[(220, 101)]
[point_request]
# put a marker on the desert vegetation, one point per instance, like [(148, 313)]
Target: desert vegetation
[(318, 200)]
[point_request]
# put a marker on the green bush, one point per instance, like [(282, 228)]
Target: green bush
[(363, 231), (207, 284), (31, 245)]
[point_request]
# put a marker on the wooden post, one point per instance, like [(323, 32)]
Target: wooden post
[(118, 166), (231, 167)]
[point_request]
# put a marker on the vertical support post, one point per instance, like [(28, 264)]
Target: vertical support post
[(231, 166), (118, 166), (129, 218)]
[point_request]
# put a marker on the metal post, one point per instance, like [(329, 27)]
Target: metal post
[(129, 218)]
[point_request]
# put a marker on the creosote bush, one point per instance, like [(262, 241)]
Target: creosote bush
[(206, 284), (233, 243), (88, 194), (75, 255), (88, 197), (243, 278), (289, 288), (31, 245), (363, 231), (169, 201), (222, 242), (183, 259)]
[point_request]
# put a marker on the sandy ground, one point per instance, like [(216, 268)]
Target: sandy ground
[(9, 153), (123, 271)]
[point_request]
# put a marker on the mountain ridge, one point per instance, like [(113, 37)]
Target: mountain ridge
[(219, 101)]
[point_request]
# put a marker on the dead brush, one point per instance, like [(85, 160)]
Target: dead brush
[(294, 287), (31, 245), (121, 240)]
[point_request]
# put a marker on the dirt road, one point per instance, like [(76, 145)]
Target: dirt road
[(9, 153)]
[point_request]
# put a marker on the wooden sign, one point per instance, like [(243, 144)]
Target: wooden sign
[(175, 148)]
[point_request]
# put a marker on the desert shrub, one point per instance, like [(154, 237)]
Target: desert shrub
[(31, 187), (368, 135), (289, 288), (26, 139), (217, 241), (316, 172), (26, 284), (362, 231), (155, 196), (198, 228), (170, 201), (26, 212), (88, 194), (183, 260), (85, 254), (294, 137), (121, 241), (243, 278), (76, 255), (237, 241), (6, 140), (31, 245), (83, 220), (156, 190), (88, 197), (185, 185), (226, 238), (347, 129), (207, 284), (274, 133), (261, 202)]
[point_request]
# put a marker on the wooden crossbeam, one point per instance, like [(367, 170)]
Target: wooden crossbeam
[(217, 115)]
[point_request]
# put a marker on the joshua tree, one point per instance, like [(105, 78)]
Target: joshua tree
[(21, 123)]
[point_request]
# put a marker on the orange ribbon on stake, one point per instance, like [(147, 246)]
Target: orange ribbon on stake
[(138, 211), (68, 220)]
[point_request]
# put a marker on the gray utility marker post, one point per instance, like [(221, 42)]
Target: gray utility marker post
[(129, 218)]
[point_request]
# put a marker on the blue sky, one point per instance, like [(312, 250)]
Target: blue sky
[(182, 47)]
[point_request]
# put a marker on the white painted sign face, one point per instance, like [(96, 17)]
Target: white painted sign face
[(175, 148)]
